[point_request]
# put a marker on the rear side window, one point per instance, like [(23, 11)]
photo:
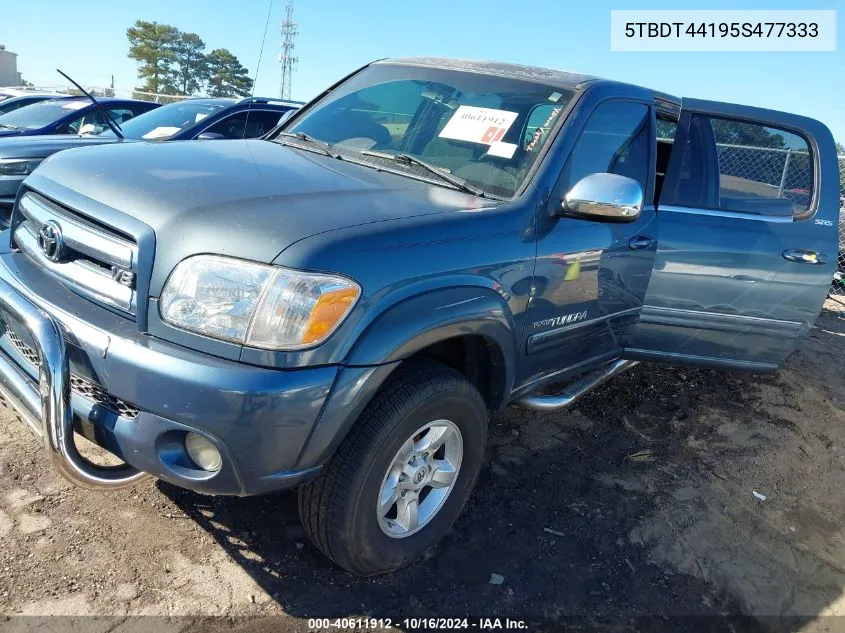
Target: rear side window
[(615, 140), (743, 167)]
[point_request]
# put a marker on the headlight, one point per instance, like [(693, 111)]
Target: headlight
[(255, 304), (18, 166)]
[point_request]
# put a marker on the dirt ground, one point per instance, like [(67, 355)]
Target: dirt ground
[(668, 492)]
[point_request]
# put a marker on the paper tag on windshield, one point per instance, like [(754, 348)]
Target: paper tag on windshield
[(75, 105), (478, 125), (161, 132), (502, 150)]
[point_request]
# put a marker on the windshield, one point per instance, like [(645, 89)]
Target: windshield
[(38, 115), (483, 129), (162, 123)]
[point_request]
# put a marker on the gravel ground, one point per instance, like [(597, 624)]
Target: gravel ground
[(639, 502)]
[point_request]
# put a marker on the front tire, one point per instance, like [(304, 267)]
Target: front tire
[(402, 476)]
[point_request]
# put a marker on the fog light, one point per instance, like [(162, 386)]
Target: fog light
[(203, 452)]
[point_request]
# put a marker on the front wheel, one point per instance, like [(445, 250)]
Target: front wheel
[(402, 476)]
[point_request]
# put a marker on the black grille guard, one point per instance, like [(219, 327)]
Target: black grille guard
[(45, 406)]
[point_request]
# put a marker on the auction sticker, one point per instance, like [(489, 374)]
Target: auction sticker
[(478, 125), (161, 132)]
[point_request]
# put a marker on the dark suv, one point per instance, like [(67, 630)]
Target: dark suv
[(340, 306)]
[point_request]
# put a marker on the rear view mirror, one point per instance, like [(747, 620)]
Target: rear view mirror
[(604, 197)]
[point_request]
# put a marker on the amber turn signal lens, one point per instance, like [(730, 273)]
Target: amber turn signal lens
[(330, 308)]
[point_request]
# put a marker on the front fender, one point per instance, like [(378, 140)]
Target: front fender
[(398, 333), (434, 316)]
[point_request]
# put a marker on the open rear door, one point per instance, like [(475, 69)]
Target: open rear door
[(747, 239)]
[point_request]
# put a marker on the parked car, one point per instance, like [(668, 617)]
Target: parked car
[(208, 119), (69, 116), (14, 103), (190, 119), (340, 305)]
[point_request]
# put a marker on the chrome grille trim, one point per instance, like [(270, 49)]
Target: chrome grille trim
[(81, 275), (79, 235), (95, 255), (79, 385)]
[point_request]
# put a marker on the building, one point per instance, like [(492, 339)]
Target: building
[(9, 75)]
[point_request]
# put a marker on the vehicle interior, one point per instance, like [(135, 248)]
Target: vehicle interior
[(734, 166), (251, 124)]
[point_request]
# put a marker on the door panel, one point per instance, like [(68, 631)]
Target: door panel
[(590, 277), (744, 190)]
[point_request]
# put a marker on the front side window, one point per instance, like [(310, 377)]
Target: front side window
[(615, 140), (485, 130), (744, 167)]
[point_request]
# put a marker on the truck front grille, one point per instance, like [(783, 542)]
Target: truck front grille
[(95, 261), (79, 385), (24, 350), (94, 392)]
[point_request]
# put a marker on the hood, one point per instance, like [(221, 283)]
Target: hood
[(9, 133), (249, 199), (44, 146)]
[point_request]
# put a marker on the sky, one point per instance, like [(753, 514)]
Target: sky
[(87, 39)]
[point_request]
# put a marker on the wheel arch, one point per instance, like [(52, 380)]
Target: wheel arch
[(470, 329)]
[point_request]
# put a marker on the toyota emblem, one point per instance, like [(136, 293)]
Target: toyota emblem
[(50, 240)]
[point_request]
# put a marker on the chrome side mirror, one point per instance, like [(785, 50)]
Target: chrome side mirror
[(604, 197)]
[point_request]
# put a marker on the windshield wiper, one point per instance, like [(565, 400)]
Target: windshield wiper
[(408, 159), (107, 118), (325, 148), (6, 126)]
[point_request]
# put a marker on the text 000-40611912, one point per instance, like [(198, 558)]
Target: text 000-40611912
[(728, 30)]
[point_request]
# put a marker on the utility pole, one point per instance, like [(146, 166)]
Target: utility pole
[(290, 30)]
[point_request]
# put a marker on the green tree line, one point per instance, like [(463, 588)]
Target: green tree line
[(172, 62)]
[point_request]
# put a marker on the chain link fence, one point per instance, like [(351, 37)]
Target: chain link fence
[(838, 288), (781, 173), (109, 91)]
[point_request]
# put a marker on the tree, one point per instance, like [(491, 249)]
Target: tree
[(227, 77), (840, 149), (189, 53), (748, 134), (152, 45)]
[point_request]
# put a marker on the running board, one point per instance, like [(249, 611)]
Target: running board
[(577, 389)]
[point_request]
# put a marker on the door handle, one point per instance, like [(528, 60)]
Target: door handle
[(640, 242), (803, 256)]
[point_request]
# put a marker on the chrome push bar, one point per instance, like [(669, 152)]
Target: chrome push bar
[(45, 405)]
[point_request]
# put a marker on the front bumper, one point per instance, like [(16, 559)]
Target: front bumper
[(259, 419)]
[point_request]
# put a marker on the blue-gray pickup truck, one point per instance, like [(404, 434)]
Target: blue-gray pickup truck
[(339, 306)]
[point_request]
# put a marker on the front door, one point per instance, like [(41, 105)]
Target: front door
[(747, 221), (590, 277)]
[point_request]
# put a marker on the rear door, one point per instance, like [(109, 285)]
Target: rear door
[(747, 224)]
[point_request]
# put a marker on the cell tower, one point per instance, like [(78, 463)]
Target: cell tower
[(290, 30)]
